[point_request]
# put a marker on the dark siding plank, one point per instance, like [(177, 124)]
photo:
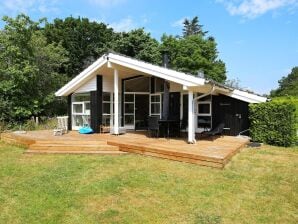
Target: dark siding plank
[(69, 112), (96, 105)]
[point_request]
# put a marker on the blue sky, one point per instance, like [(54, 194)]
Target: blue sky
[(257, 39)]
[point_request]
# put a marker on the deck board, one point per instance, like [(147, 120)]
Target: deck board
[(214, 153)]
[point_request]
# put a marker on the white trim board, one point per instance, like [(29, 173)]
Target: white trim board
[(187, 81)]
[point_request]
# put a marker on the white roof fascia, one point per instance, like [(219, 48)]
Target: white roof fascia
[(168, 74), (247, 97), (188, 81), (79, 79)]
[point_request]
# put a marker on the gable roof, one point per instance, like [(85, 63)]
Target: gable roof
[(154, 70), (184, 79)]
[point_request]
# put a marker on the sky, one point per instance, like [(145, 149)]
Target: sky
[(257, 39)]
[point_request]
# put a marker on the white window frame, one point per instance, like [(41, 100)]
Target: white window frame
[(129, 126), (199, 129), (111, 107), (84, 112), (83, 103), (160, 106), (77, 103), (210, 108)]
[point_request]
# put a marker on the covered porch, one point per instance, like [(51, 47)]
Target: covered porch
[(121, 97)]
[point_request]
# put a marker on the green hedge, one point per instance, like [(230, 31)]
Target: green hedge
[(274, 122)]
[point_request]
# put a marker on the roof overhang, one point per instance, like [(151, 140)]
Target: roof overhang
[(77, 81), (246, 96), (189, 82), (112, 60)]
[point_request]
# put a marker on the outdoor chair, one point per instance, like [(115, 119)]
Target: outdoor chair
[(62, 127), (153, 126), (218, 130)]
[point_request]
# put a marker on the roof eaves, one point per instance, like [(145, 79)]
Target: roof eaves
[(79, 78), (166, 71)]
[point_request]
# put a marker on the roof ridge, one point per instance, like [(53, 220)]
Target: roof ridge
[(133, 58), (171, 69)]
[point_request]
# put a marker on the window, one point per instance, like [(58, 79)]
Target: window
[(140, 84), (204, 114), (155, 105), (80, 110), (106, 108), (87, 108), (77, 108), (204, 108), (129, 109)]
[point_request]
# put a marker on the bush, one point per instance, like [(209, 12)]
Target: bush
[(45, 123), (273, 122)]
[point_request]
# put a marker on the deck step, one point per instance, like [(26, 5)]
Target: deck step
[(74, 147), (72, 142), (107, 152), (11, 139)]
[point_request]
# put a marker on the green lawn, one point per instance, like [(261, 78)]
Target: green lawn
[(258, 186)]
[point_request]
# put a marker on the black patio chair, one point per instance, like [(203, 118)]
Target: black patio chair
[(218, 130), (153, 126)]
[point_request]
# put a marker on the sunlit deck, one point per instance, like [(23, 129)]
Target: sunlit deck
[(208, 152)]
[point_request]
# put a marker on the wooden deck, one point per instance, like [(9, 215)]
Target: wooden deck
[(213, 153)]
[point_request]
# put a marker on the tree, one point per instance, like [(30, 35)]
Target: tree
[(194, 53), (84, 40), (192, 27), (288, 86), (234, 83), (138, 44), (29, 69)]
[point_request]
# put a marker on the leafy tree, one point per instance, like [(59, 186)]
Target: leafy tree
[(234, 83), (194, 53), (84, 40), (192, 27), (288, 86), (29, 69), (138, 44)]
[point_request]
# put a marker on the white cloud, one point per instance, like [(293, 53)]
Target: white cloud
[(253, 8), (179, 22), (125, 24), (106, 3), (9, 7)]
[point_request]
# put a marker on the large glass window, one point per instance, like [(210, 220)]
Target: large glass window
[(106, 108), (155, 105), (140, 84), (129, 110)]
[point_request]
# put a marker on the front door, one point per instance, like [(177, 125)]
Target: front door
[(141, 111)]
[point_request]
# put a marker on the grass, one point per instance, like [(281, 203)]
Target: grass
[(258, 186)]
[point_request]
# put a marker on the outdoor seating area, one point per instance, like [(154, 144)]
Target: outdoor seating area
[(163, 127), (215, 152)]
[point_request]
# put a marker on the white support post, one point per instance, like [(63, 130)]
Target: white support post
[(181, 106), (191, 133), (116, 104)]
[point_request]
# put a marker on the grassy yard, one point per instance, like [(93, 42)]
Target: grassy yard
[(258, 186)]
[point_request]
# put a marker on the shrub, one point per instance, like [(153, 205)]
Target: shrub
[(273, 122), (45, 123)]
